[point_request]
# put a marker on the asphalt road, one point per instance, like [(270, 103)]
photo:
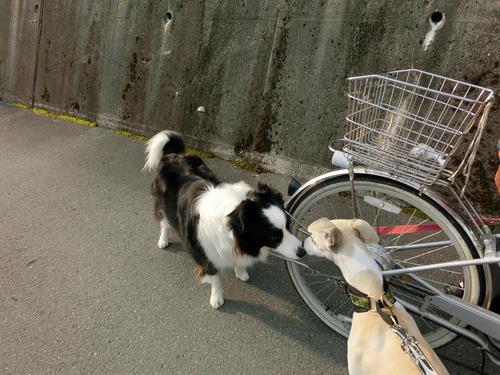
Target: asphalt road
[(85, 290)]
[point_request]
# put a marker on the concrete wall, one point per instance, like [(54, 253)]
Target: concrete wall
[(18, 42), (271, 74)]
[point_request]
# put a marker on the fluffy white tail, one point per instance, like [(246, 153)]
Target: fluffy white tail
[(155, 148)]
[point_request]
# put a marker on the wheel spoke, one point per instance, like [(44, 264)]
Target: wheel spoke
[(418, 246), (420, 240), (332, 208), (320, 282), (341, 305), (424, 254), (406, 231), (329, 296), (326, 286), (409, 296), (439, 283), (398, 262), (377, 214)]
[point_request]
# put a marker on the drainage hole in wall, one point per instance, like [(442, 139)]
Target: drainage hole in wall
[(168, 17), (36, 8), (436, 18)]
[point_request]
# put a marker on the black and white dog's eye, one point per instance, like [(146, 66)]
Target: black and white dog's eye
[(276, 236)]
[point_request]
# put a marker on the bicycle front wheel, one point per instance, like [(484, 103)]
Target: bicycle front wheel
[(414, 230)]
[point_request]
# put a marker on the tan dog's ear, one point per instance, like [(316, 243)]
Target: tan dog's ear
[(319, 225), (365, 231), (324, 228), (330, 236)]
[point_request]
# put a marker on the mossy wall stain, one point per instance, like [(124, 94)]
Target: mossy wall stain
[(65, 117), (267, 118), (128, 134)]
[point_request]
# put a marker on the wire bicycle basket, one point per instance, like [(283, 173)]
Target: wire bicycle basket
[(410, 122)]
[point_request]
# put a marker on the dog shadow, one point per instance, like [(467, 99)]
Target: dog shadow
[(174, 247), (272, 277), (299, 323), (317, 338)]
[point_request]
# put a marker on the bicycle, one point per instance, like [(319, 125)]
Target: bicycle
[(403, 128)]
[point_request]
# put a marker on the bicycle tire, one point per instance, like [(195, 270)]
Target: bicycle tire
[(473, 277)]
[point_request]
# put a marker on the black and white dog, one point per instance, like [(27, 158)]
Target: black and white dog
[(222, 225)]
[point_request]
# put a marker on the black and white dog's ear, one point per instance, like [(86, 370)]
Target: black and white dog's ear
[(199, 168), (194, 161), (269, 194), (245, 213), (262, 187), (242, 221)]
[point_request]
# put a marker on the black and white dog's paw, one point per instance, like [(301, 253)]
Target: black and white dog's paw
[(163, 243), (241, 274), (216, 300)]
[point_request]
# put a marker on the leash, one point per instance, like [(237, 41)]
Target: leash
[(409, 344)]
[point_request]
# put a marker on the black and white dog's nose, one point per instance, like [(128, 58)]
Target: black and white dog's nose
[(301, 253)]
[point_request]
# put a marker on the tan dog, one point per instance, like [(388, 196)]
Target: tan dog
[(373, 348)]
